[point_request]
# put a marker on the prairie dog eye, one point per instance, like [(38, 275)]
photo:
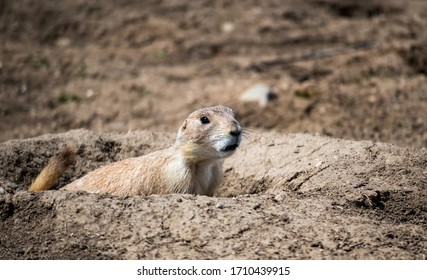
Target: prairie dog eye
[(204, 120)]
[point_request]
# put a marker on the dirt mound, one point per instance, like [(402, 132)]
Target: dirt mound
[(294, 197)]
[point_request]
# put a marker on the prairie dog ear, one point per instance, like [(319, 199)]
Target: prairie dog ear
[(184, 125), (181, 133)]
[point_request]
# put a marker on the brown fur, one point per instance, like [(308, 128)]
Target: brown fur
[(192, 165), (53, 170)]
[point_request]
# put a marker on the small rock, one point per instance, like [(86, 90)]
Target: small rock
[(256, 206), (2, 191), (372, 99), (227, 27), (89, 93), (24, 88), (258, 93), (18, 250), (63, 42), (278, 198), (220, 205), (316, 244)]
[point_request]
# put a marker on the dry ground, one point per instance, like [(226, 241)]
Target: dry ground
[(352, 70)]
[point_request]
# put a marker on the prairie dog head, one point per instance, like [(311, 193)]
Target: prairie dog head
[(209, 133)]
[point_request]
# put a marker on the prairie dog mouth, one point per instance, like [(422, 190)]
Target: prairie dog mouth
[(230, 148)]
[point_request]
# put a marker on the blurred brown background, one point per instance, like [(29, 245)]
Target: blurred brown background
[(347, 69)]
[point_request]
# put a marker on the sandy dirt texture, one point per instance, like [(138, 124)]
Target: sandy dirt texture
[(335, 167)]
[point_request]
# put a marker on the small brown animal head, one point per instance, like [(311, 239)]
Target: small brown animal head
[(209, 134)]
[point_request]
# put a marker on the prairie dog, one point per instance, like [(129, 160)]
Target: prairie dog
[(192, 165)]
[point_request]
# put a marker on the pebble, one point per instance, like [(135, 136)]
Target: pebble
[(2, 191), (220, 205), (278, 198), (63, 42), (227, 27), (256, 206), (260, 93), (24, 88), (89, 93), (18, 250)]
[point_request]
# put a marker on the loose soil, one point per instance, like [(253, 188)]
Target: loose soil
[(334, 168)]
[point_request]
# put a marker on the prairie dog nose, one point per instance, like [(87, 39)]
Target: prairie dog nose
[(235, 130)]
